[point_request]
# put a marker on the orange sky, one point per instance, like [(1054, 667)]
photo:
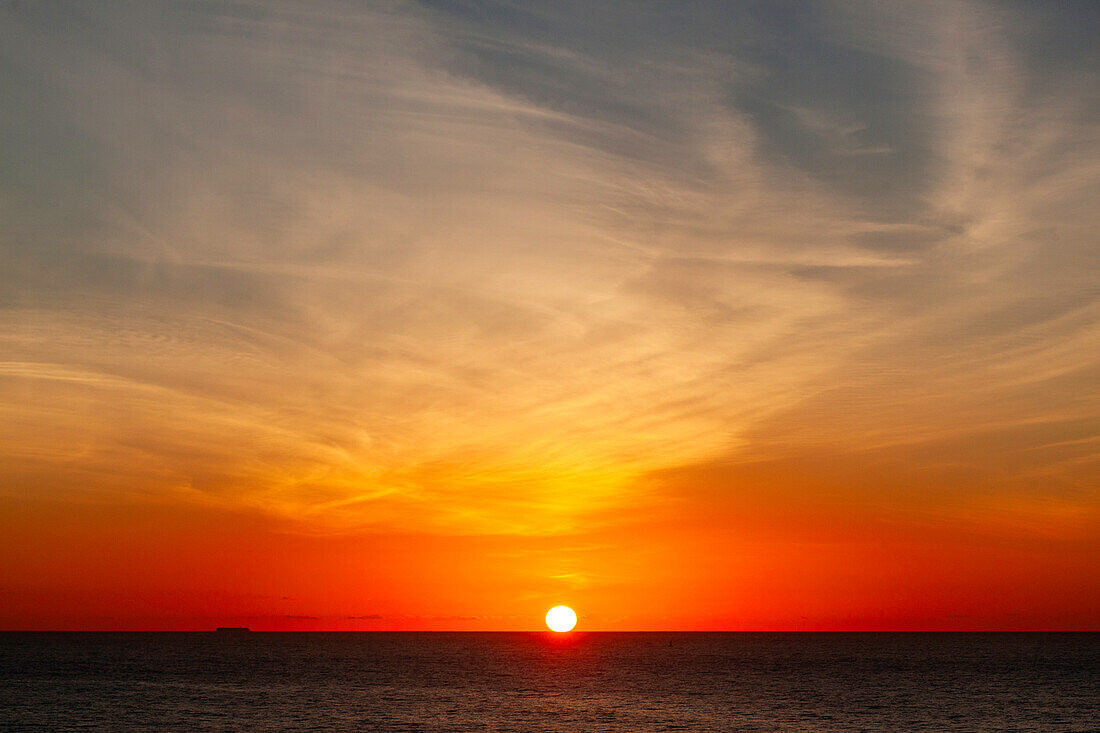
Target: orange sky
[(421, 316)]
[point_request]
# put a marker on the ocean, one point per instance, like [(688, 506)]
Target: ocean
[(589, 682)]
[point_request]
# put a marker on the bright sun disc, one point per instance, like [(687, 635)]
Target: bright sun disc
[(561, 618)]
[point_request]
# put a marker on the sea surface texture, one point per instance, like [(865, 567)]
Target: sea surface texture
[(539, 682)]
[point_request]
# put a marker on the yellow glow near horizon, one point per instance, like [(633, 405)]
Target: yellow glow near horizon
[(561, 619)]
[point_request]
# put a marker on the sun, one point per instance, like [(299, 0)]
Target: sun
[(561, 618)]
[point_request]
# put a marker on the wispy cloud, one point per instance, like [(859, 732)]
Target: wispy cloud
[(406, 266)]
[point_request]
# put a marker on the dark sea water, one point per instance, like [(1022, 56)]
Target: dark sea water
[(538, 682)]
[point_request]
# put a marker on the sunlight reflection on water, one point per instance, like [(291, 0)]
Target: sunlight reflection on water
[(536, 682)]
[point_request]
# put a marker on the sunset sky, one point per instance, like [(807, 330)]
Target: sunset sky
[(696, 315)]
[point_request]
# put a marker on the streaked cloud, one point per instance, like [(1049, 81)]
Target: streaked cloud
[(513, 269)]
